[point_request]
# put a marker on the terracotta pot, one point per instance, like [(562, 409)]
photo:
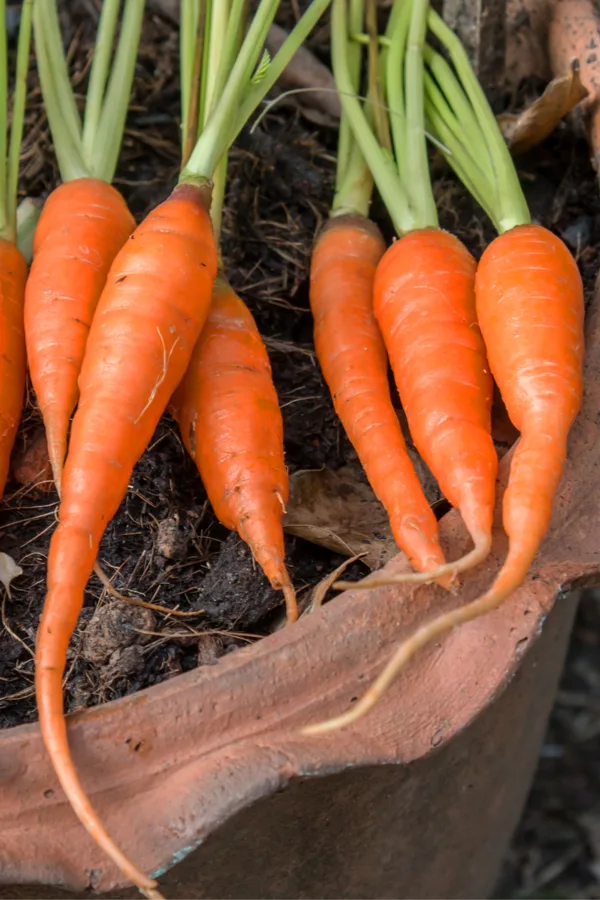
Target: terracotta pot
[(419, 799)]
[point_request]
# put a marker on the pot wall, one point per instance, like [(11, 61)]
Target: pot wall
[(436, 827)]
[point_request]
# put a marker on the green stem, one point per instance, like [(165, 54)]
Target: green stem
[(380, 163), (27, 216), (57, 98), (215, 139), (414, 166), (188, 31), (400, 19), (18, 115), (354, 182), (190, 119), (469, 127), (258, 91), (378, 114), (114, 110), (4, 220), (505, 193), (99, 73), (225, 45), (218, 199), (47, 29)]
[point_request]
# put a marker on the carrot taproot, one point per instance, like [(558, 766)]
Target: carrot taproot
[(146, 323), (228, 413), (354, 362), (424, 302), (84, 223), (529, 303), (13, 367)]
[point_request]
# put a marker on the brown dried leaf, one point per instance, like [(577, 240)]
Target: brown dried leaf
[(337, 511), (30, 463), (533, 125)]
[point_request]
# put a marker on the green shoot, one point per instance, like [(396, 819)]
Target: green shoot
[(28, 213), (10, 148), (90, 150), (353, 184), (491, 177), (235, 91)]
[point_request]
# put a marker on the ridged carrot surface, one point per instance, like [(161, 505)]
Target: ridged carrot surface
[(13, 275), (424, 301), (147, 321), (231, 425), (354, 362), (83, 225), (530, 307)]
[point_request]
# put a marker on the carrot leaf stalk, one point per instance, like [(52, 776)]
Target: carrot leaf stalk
[(530, 308)]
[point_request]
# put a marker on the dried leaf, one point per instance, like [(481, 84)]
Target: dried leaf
[(9, 570), (337, 511), (30, 462), (533, 125)]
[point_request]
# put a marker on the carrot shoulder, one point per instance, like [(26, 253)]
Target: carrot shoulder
[(231, 425), (13, 275), (147, 321), (354, 362), (83, 225)]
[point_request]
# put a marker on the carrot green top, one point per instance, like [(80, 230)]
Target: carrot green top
[(395, 146), (225, 76), (90, 149), (460, 118), (10, 150)]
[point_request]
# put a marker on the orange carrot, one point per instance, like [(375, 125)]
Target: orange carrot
[(424, 302), (147, 321), (83, 225), (85, 221), (530, 306), (231, 425), (529, 300), (353, 358), (13, 274)]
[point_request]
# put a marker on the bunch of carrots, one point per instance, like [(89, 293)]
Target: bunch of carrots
[(118, 324)]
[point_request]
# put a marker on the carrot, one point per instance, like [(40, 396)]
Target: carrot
[(230, 421), (147, 321), (83, 225), (424, 300), (348, 341), (529, 298), (13, 367), (84, 222), (13, 267), (354, 362)]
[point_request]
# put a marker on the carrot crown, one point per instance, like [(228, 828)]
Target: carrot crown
[(225, 77), (10, 150), (460, 118), (392, 137), (90, 149)]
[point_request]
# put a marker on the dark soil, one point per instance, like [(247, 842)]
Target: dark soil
[(165, 544)]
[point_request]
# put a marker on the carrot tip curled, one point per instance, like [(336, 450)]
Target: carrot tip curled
[(447, 575), (291, 604)]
